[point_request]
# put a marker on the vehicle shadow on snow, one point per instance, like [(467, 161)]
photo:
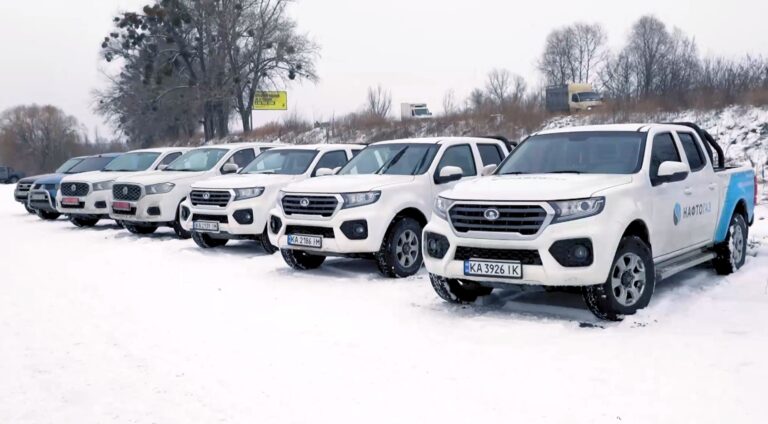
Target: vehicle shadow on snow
[(340, 268), (162, 236), (243, 249)]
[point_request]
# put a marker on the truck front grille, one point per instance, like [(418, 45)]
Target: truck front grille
[(310, 205), (310, 231), (524, 256), (23, 187), (209, 198), (75, 189), (221, 219), (130, 192), (522, 219)]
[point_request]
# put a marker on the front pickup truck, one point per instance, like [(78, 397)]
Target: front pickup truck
[(609, 209)]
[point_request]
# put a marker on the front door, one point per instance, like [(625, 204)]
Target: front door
[(670, 233)]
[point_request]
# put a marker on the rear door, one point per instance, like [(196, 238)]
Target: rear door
[(669, 233), (699, 205)]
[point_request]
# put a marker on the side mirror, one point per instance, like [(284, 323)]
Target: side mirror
[(449, 174), (322, 172), (488, 170), (670, 172), (162, 167), (229, 168)]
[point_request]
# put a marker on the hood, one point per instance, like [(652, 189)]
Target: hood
[(99, 176), (50, 178), (348, 183), (32, 179), (535, 187), (157, 177), (245, 181)]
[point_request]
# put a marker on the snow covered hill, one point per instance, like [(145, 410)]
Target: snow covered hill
[(101, 326)]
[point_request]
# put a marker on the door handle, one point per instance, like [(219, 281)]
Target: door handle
[(688, 191), (712, 186)]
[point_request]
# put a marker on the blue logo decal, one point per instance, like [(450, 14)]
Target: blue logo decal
[(678, 213)]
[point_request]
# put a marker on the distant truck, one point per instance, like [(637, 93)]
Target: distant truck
[(414, 111), (9, 175), (572, 98)]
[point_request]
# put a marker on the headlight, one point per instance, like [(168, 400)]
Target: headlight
[(353, 200), (159, 188), (569, 210), (248, 193), (442, 205), (104, 185)]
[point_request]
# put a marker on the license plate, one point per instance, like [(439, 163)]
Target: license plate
[(493, 269), (207, 226), (70, 201), (39, 197), (121, 206), (305, 241)]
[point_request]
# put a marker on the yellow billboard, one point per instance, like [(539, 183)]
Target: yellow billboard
[(270, 100)]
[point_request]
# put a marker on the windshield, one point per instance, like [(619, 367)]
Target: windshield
[(589, 97), (94, 163), (282, 162), (66, 166), (197, 160), (578, 152), (392, 159), (132, 162)]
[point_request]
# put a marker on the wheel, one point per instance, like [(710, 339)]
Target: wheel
[(207, 242), (177, 228), (119, 223), (83, 222), (456, 291), (630, 282), (400, 252), (301, 260), (732, 252), (139, 229), (30, 210), (48, 216), (265, 244)]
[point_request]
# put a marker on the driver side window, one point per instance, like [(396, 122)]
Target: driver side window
[(664, 149), (459, 156)]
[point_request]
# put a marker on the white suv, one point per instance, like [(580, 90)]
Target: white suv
[(237, 206), (144, 202), (85, 197), (377, 205)]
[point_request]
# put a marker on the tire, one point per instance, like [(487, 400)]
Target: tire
[(630, 283), (732, 252), (47, 216), (139, 229), (458, 292), (119, 223), (265, 244), (400, 253), (301, 260), (30, 210), (177, 228), (83, 222), (205, 241)]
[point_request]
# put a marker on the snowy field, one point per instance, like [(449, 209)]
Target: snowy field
[(101, 326)]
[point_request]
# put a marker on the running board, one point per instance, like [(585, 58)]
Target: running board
[(671, 267)]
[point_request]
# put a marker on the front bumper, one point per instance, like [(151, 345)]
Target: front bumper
[(21, 196), (339, 244), (149, 209), (229, 227), (95, 203), (546, 271), (42, 200)]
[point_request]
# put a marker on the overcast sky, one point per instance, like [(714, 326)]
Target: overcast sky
[(416, 48)]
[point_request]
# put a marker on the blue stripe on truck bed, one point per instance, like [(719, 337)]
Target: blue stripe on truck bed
[(740, 187)]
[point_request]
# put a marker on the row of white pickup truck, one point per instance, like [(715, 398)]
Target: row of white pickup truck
[(611, 209)]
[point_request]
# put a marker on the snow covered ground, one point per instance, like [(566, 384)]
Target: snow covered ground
[(101, 326)]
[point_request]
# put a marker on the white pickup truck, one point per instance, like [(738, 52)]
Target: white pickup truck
[(377, 205), (612, 209), (85, 197), (144, 202), (237, 206)]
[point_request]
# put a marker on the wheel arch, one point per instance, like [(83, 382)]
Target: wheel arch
[(639, 228)]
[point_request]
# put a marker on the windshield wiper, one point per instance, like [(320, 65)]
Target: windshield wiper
[(565, 171), (515, 173), (384, 168)]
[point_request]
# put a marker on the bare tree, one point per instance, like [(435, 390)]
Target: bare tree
[(449, 103), (378, 102), (589, 44), (573, 53), (648, 45), (499, 85)]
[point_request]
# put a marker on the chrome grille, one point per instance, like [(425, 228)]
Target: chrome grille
[(130, 192), (522, 219), (310, 205), (23, 187), (75, 189), (209, 198)]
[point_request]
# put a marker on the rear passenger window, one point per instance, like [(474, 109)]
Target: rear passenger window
[(490, 154), (693, 151), (243, 158), (331, 160), (170, 158), (664, 149), (460, 156)]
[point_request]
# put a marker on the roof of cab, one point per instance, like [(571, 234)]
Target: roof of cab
[(436, 140), (638, 127), (320, 147), (161, 149)]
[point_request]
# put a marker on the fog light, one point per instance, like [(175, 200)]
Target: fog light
[(355, 230), (275, 224), (184, 213), (243, 216), (101, 205), (437, 245), (572, 253), (153, 211)]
